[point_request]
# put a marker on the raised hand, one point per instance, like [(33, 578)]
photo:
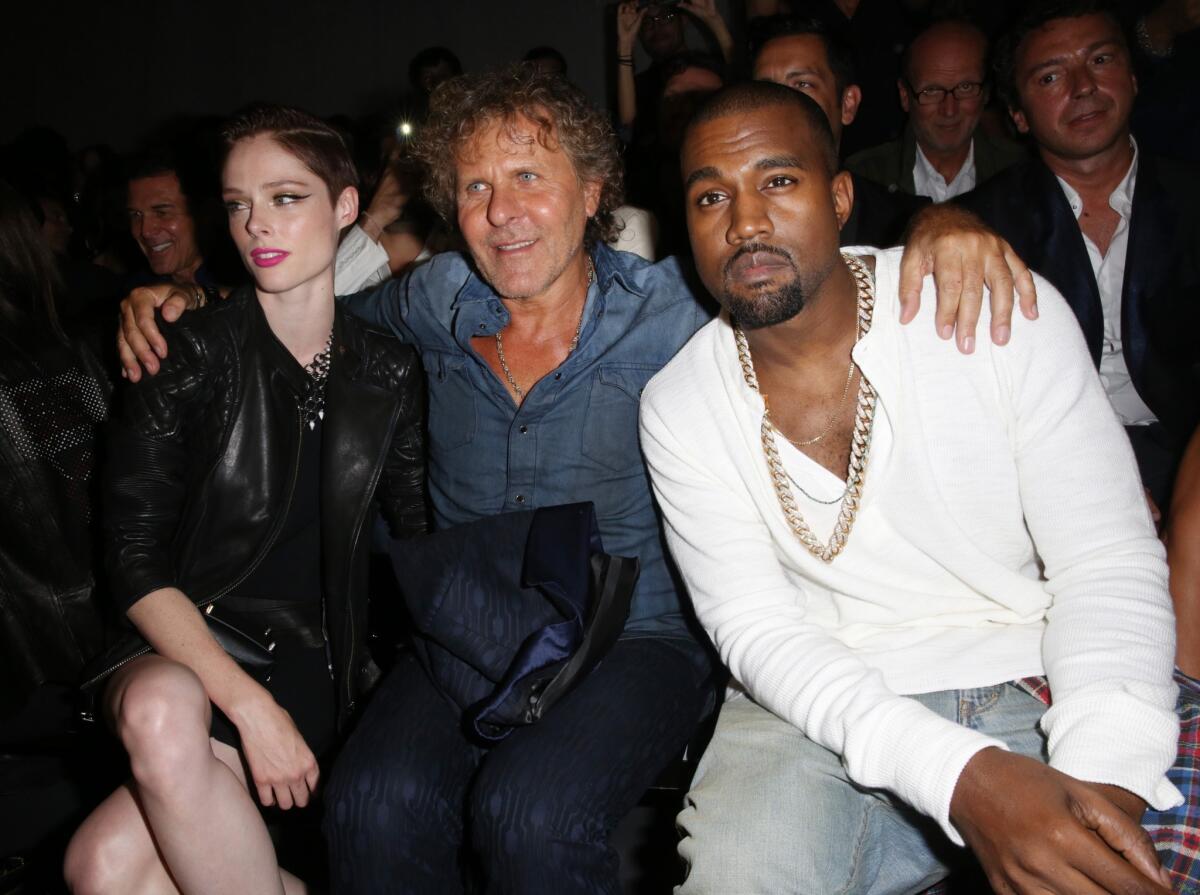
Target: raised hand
[(629, 20)]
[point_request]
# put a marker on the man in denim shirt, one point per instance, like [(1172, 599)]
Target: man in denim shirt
[(537, 348)]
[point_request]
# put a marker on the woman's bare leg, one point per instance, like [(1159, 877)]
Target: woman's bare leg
[(186, 822)]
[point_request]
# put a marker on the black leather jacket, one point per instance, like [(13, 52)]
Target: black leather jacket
[(203, 458), (53, 399)]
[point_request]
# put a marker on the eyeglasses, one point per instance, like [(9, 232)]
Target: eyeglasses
[(932, 95)]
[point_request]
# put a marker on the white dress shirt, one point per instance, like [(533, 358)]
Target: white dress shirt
[(928, 182), (1109, 271)]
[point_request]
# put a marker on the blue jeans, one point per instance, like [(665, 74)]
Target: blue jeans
[(772, 811), (413, 806)]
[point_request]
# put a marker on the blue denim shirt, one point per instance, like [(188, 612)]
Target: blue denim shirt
[(575, 437)]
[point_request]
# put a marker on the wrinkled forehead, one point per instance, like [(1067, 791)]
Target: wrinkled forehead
[(509, 139), (743, 139)]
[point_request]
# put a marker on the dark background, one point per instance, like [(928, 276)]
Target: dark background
[(108, 72)]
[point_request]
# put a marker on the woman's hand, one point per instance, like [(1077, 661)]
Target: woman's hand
[(283, 768), (629, 20)]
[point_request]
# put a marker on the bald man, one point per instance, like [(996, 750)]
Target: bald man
[(944, 90)]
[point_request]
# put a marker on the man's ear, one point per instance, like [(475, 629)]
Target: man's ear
[(851, 97), (900, 86), (842, 190), (346, 207), (592, 190), (1018, 118)]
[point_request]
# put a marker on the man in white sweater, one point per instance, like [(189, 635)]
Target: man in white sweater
[(889, 543)]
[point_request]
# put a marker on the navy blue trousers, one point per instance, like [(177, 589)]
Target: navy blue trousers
[(413, 806)]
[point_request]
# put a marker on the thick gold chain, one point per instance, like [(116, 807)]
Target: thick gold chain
[(860, 444)]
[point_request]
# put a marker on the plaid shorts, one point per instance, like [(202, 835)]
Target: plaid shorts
[(1176, 831)]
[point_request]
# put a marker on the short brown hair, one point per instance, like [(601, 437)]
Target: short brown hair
[(461, 106), (320, 147)]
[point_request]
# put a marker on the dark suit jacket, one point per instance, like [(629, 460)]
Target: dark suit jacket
[(878, 218), (891, 165), (1160, 300)]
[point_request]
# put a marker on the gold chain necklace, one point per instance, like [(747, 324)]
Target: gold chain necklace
[(591, 278), (860, 444)]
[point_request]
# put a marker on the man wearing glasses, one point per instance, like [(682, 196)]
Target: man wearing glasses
[(943, 89)]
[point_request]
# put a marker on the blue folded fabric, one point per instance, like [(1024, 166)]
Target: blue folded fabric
[(511, 611)]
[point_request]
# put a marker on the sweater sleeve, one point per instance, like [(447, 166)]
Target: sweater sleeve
[(361, 263), (1110, 635), (757, 619)]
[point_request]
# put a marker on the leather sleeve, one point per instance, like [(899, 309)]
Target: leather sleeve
[(401, 493), (146, 477)]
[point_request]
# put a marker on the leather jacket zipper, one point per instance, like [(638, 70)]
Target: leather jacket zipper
[(354, 546)]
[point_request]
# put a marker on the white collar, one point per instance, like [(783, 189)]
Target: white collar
[(968, 166), (1121, 198)]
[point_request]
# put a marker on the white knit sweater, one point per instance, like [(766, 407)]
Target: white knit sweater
[(1003, 533)]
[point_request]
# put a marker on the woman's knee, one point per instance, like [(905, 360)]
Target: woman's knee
[(97, 862), (161, 717)]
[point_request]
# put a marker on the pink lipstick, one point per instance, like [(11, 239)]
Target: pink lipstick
[(268, 257)]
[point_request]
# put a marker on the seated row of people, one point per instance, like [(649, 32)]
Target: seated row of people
[(856, 696)]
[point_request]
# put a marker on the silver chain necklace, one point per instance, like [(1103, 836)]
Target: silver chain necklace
[(860, 444), (512, 383), (312, 402)]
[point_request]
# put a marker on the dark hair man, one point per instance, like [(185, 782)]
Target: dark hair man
[(163, 223), (1115, 230), (943, 89), (804, 55), (884, 547), (537, 344)]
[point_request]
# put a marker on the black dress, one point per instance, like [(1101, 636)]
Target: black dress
[(283, 593)]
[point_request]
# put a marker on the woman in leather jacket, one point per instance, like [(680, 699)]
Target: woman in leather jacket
[(238, 486)]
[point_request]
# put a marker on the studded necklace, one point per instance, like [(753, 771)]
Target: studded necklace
[(312, 402)]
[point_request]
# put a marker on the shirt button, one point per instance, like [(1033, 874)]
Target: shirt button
[(520, 498), (523, 429), (557, 376)]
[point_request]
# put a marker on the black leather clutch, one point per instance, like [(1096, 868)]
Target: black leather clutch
[(249, 645)]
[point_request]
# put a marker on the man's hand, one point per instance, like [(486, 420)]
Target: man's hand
[(963, 255), (139, 342), (1037, 830)]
